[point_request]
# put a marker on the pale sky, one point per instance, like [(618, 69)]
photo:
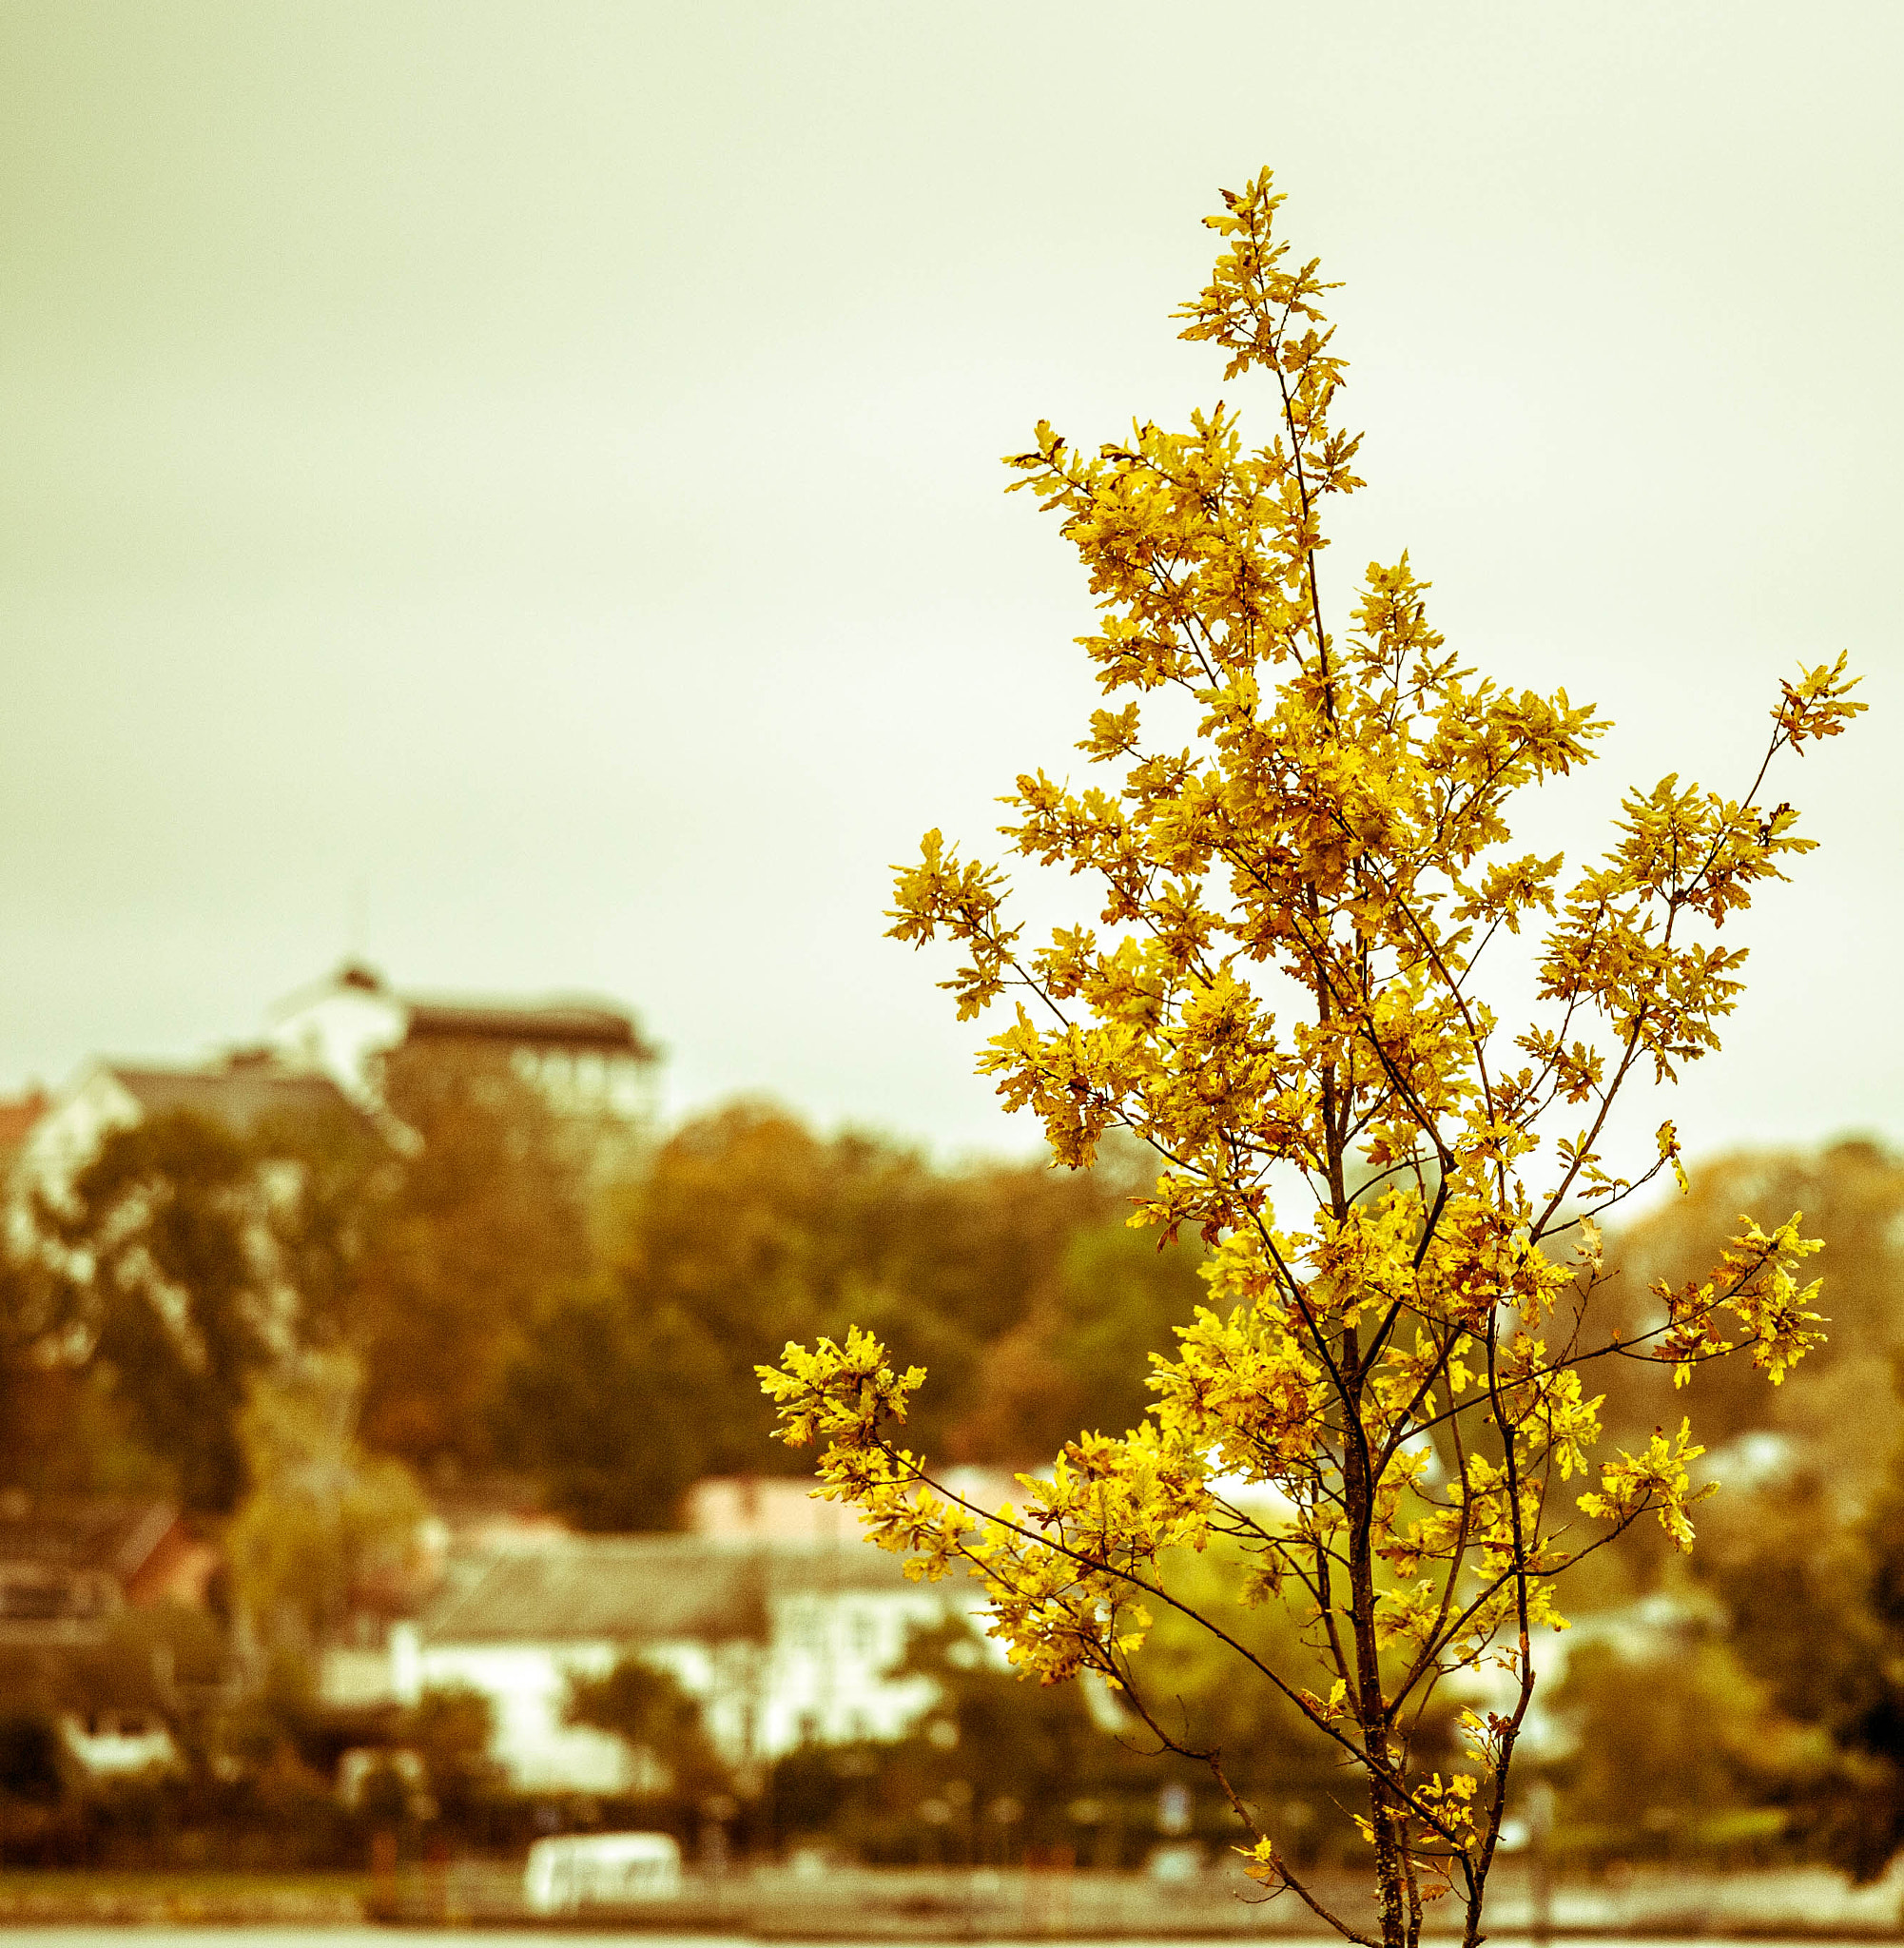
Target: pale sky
[(514, 490)]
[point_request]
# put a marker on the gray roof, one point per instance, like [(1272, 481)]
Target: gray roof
[(650, 1589), (241, 1100)]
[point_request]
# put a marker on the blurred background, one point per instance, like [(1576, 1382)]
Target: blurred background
[(500, 547)]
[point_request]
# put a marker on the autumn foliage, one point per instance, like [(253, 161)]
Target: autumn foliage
[(1385, 1412)]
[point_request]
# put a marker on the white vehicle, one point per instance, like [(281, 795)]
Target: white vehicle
[(600, 1870)]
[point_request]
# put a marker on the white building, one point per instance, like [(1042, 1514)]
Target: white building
[(243, 1095), (784, 1643), (588, 1055), (324, 1057)]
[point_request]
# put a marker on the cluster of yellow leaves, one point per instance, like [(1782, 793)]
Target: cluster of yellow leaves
[(1754, 1283), (1277, 985), (1654, 1478), (838, 1393), (1061, 1575)]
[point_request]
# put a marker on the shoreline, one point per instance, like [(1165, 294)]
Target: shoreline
[(856, 1905)]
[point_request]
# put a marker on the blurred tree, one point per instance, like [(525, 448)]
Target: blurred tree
[(1081, 1359), (167, 1243), (325, 1526), (987, 1744), (481, 1229), (33, 1763), (765, 1233), (1023, 1283), (1284, 1767), (1079, 1770), (333, 1178), (137, 1308), (1819, 1442), (760, 1231), (1038, 1746), (1794, 1578), (615, 1414), (648, 1709), (61, 1432), (460, 1272), (1675, 1752), (1814, 1588), (1838, 1407), (450, 1729), (197, 1259)]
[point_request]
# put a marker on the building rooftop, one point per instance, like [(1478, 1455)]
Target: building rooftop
[(633, 1588), (115, 1537), (587, 1026), (66, 1566), (571, 1024), (241, 1097)]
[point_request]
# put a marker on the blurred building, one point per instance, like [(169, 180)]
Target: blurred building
[(247, 1094), (68, 1571), (324, 1054), (783, 1640), (783, 1509), (68, 1567), (588, 1055)]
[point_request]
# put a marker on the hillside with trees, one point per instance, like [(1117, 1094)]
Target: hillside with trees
[(307, 1337)]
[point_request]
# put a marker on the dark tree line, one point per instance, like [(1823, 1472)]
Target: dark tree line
[(509, 1312), (1022, 1286)]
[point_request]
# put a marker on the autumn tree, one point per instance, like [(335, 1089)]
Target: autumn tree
[(53, 1423), (326, 1527), (1024, 1293), (649, 1710), (1387, 1405), (164, 1243), (482, 1228)]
